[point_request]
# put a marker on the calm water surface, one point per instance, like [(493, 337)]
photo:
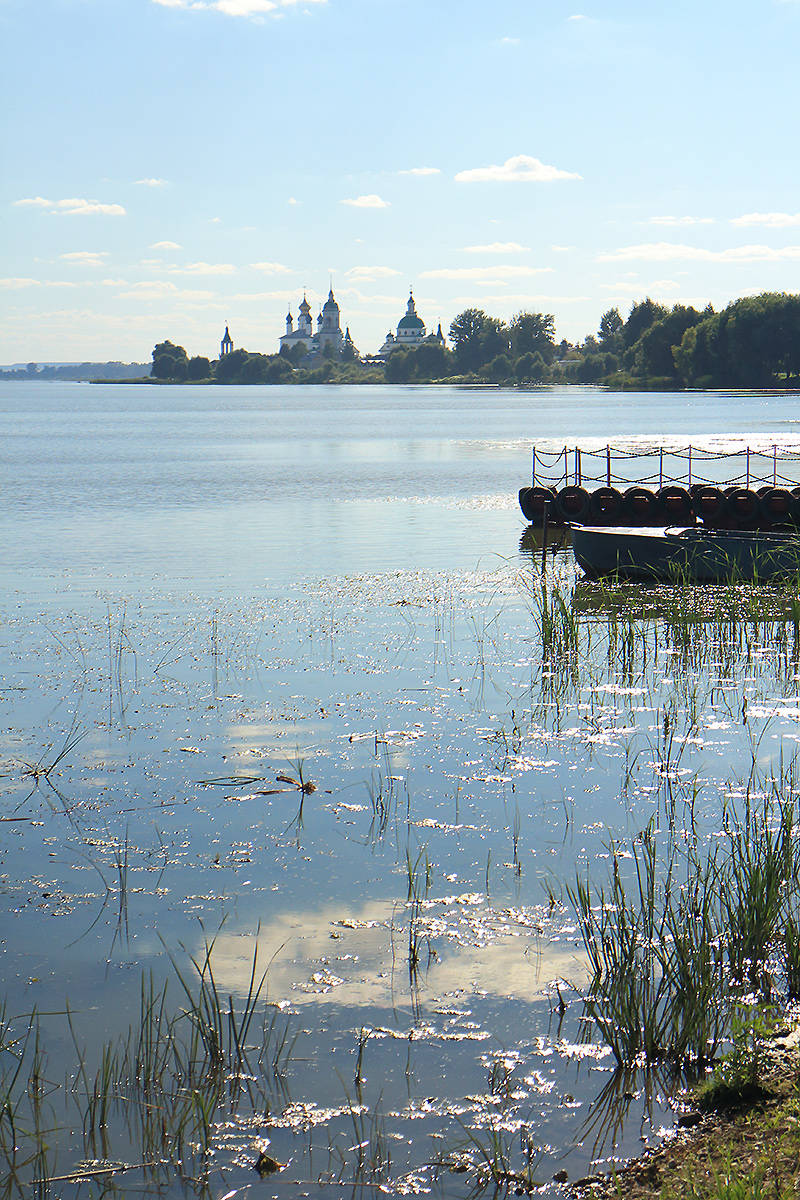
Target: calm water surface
[(204, 590), (247, 487)]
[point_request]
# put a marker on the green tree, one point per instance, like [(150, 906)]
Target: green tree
[(642, 315), (653, 355), (295, 353), (698, 360), (278, 369), (400, 366), (169, 361), (610, 329), (229, 366), (754, 342), (499, 370), (591, 369), (531, 368), (477, 338), (431, 361), (533, 332), (199, 368)]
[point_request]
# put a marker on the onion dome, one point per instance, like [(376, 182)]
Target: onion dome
[(305, 307), (330, 304)]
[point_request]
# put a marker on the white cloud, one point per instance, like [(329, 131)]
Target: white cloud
[(74, 206), (16, 284), (165, 246), (578, 17), (678, 221), (203, 268), (235, 8), (372, 301), (562, 249), (421, 171), (292, 201), (371, 201), (160, 289), (497, 248), (85, 258), (629, 288), (522, 168), (504, 271), (271, 268), (509, 41), (87, 208), (672, 252), (152, 183), (285, 294), (769, 220), (512, 300), (369, 274)]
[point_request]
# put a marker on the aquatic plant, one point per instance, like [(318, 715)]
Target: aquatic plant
[(678, 933)]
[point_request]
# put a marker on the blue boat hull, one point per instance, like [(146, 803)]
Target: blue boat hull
[(692, 555)]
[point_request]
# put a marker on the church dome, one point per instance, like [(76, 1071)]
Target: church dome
[(411, 321), (330, 304)]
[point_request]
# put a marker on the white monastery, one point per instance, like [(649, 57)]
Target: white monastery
[(328, 333), (410, 331)]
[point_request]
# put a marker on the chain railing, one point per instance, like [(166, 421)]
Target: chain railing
[(611, 466)]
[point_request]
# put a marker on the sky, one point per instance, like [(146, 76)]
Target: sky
[(173, 165)]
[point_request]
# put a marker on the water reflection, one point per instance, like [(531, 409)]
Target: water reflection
[(356, 957)]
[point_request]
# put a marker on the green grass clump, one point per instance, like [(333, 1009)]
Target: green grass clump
[(738, 1080), (680, 934)]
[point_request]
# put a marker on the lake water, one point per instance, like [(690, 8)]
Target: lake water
[(210, 597)]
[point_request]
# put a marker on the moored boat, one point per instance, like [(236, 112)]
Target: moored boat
[(694, 554)]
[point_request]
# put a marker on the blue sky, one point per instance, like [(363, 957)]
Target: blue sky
[(173, 164)]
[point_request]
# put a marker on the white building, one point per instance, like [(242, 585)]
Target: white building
[(410, 331), (328, 332)]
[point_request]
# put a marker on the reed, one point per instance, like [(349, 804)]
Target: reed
[(676, 936)]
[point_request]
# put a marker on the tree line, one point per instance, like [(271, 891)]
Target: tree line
[(171, 364), (752, 343)]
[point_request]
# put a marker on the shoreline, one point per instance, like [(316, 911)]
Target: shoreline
[(761, 1137)]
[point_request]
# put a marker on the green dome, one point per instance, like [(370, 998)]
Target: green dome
[(411, 322)]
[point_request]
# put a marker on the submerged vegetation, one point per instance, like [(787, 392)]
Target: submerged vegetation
[(499, 871)]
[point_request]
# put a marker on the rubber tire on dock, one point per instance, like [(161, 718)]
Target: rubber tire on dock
[(606, 506), (639, 506), (710, 503), (744, 507), (674, 505), (573, 503), (532, 501), (778, 506)]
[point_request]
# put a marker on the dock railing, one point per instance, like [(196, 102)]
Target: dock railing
[(611, 466)]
